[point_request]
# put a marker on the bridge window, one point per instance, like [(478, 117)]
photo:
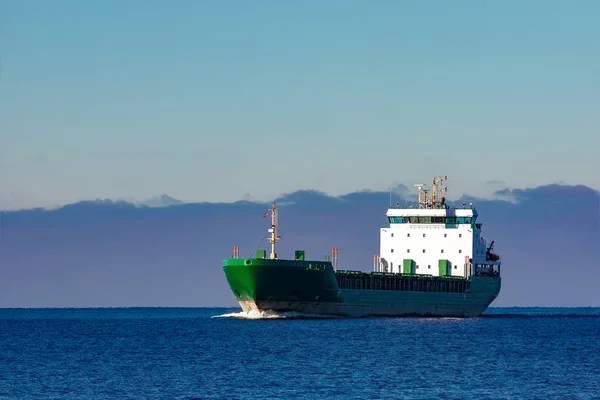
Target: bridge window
[(398, 220), (392, 250), (423, 250), (423, 235), (431, 220)]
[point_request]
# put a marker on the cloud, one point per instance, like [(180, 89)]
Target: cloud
[(115, 253), (161, 201)]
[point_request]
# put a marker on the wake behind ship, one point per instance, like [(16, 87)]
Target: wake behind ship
[(432, 262)]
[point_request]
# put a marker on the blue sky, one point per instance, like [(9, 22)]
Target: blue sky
[(214, 101)]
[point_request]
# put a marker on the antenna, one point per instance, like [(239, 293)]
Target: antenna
[(273, 230), (420, 186), (439, 189)]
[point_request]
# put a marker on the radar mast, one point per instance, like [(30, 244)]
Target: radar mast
[(439, 189), (273, 230)]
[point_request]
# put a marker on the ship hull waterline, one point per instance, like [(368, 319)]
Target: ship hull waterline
[(311, 288)]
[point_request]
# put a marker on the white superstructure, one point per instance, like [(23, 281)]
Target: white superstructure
[(434, 238)]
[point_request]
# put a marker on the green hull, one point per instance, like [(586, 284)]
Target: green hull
[(312, 287)]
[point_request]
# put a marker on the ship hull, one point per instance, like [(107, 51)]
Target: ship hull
[(311, 287)]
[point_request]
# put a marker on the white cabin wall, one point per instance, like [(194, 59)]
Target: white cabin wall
[(457, 244), (479, 247)]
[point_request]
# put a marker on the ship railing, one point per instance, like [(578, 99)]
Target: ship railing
[(487, 269), (349, 272), (409, 206)]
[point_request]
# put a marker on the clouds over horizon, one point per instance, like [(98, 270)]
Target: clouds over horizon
[(399, 192), (111, 254)]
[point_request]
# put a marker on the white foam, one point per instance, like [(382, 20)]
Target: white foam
[(269, 314)]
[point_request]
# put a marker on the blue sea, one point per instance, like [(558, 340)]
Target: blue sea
[(212, 353)]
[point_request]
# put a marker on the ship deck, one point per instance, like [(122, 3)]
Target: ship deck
[(358, 280)]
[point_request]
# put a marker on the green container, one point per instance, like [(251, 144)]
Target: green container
[(443, 266), (262, 254), (408, 266)]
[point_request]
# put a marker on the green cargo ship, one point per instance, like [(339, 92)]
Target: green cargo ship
[(433, 262)]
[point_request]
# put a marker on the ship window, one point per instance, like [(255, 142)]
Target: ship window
[(450, 220), (392, 250), (460, 251), (445, 235), (460, 235), (442, 250), (408, 235), (408, 250), (455, 267), (429, 267), (392, 235), (423, 235), (423, 250), (396, 220)]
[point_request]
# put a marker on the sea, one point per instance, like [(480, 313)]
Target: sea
[(216, 353)]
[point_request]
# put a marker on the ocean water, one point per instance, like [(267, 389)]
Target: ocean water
[(163, 353)]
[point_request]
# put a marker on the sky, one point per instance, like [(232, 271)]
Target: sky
[(219, 101)]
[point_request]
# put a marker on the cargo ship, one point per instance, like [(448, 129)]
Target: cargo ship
[(433, 262)]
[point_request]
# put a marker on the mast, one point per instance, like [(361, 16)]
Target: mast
[(273, 230), (439, 188), (437, 199), (421, 201)]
